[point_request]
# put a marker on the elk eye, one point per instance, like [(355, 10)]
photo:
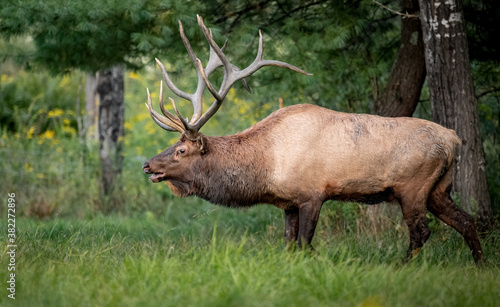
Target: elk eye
[(182, 150)]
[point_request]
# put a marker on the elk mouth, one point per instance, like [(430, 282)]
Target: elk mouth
[(158, 177)]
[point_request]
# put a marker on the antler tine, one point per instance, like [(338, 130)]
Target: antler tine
[(213, 63), (232, 74), (189, 49), (196, 97), (229, 72), (217, 50), (178, 120), (207, 82), (259, 62), (214, 60), (164, 122), (217, 62), (170, 84), (183, 121)]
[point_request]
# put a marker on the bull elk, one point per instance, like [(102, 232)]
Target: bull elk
[(303, 155)]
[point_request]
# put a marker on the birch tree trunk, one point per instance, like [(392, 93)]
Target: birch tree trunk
[(91, 107), (453, 102), (111, 126)]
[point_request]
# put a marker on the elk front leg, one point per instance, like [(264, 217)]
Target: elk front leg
[(291, 225), (308, 218)]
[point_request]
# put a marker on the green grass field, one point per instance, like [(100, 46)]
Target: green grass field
[(154, 249), (202, 255)]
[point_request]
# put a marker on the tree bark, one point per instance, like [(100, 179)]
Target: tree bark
[(111, 126), (453, 102), (91, 107), (402, 92)]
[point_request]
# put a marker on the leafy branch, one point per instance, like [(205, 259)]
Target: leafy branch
[(404, 15)]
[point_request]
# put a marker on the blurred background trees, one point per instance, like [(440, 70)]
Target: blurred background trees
[(102, 38), (366, 56)]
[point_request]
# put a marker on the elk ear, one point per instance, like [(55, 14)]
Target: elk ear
[(203, 144)]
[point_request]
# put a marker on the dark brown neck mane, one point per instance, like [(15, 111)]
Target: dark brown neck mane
[(233, 172)]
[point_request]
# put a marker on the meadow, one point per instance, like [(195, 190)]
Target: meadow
[(154, 249), (199, 255)]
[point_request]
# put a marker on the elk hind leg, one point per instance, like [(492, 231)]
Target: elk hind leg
[(414, 215), (442, 206)]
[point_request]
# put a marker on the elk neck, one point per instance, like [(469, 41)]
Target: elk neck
[(235, 170)]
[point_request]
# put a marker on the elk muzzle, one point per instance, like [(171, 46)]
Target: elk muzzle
[(156, 177)]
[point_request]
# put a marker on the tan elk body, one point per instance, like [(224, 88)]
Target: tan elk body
[(302, 155)]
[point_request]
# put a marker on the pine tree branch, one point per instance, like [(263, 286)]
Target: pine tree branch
[(488, 92), (299, 8), (404, 15)]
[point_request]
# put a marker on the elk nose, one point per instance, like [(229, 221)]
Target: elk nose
[(145, 167)]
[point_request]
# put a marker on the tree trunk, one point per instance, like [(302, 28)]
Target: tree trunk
[(453, 102), (402, 92), (91, 107), (111, 126)]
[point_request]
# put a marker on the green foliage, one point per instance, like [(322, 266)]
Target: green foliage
[(482, 28), (34, 103), (330, 39), (158, 248), (40, 130), (214, 261), (50, 175), (92, 35)]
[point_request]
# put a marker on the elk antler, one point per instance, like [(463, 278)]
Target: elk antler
[(232, 74)]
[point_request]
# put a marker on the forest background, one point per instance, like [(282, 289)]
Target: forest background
[(60, 59)]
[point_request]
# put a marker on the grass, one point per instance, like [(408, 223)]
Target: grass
[(227, 257), (159, 250)]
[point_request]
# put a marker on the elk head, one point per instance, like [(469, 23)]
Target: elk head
[(175, 164)]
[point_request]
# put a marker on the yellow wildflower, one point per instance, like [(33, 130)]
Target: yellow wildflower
[(64, 81), (49, 134), (55, 113), (28, 168), (150, 128), (143, 116), (133, 75), (69, 130), (128, 126), (31, 132), (172, 141)]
